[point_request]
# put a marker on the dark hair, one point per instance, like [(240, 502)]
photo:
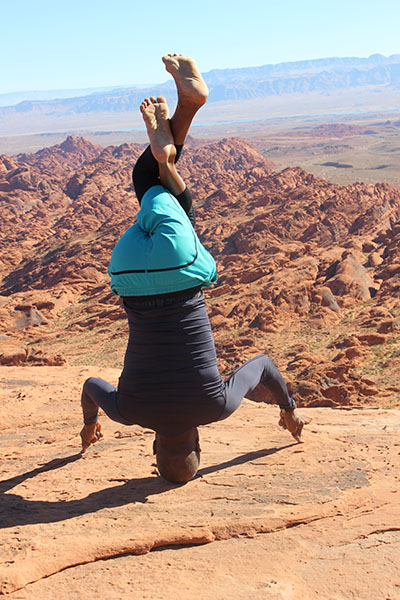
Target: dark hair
[(178, 457)]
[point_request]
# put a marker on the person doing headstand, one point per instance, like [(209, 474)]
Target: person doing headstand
[(170, 381)]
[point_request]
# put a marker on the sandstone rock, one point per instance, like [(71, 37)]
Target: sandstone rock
[(374, 259), (338, 393), (254, 488), (389, 326), (372, 339), (368, 381), (380, 312), (244, 341), (18, 358), (304, 358), (354, 352), (351, 353), (220, 290), (217, 321), (390, 270), (31, 317), (346, 341), (338, 372), (368, 246), (324, 319), (30, 356), (265, 324), (368, 390), (305, 392), (297, 349), (351, 278), (293, 230), (250, 276), (323, 402), (328, 299), (44, 305)]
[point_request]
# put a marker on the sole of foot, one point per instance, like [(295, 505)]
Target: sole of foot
[(156, 118), (189, 82)]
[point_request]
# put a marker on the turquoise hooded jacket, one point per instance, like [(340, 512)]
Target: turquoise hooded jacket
[(161, 252)]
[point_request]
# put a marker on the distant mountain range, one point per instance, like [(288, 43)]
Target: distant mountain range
[(11, 98), (322, 75)]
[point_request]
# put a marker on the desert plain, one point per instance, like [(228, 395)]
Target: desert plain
[(308, 255)]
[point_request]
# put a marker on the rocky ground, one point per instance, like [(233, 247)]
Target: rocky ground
[(265, 518), (309, 272)]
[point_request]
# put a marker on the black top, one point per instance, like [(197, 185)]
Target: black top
[(170, 380)]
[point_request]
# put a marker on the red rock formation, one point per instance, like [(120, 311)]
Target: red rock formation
[(297, 256)]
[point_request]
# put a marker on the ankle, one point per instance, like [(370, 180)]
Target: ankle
[(165, 155), (170, 155)]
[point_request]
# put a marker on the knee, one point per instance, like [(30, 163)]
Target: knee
[(178, 457)]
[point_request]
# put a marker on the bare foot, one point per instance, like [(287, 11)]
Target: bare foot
[(156, 117), (189, 82), (89, 435)]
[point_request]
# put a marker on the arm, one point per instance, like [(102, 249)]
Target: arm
[(272, 382), (89, 435), (291, 420), (91, 431)]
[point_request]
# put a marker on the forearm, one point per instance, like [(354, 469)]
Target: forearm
[(273, 381), (90, 409)]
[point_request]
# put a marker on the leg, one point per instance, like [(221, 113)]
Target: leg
[(157, 164), (257, 371), (192, 93), (155, 115), (146, 174)]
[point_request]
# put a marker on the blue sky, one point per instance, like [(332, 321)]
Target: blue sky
[(62, 44)]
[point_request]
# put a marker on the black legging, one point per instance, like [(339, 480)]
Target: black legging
[(145, 175), (259, 372)]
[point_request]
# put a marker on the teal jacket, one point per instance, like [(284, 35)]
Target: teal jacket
[(161, 252)]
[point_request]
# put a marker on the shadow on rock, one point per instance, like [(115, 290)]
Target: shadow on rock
[(17, 511)]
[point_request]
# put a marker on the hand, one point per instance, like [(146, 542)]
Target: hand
[(89, 435), (293, 423)]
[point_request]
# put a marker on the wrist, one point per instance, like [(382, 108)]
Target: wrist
[(289, 408)]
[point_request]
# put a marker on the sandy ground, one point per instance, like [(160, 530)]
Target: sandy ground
[(264, 519)]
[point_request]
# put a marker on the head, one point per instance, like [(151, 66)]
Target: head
[(178, 456)]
